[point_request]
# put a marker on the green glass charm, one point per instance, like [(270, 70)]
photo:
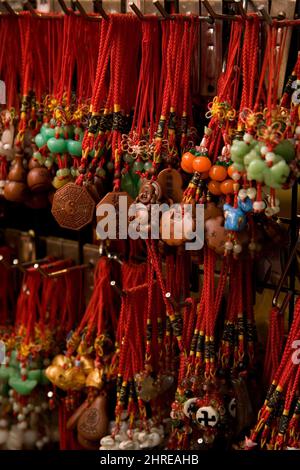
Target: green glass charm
[(23, 387)]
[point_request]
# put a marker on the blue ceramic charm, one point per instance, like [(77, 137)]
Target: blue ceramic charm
[(235, 217)]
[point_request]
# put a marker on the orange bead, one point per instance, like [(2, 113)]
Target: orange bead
[(218, 173), (187, 162), (214, 188), (227, 187), (201, 164), (231, 170)]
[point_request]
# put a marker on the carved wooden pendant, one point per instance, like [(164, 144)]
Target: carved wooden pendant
[(215, 234), (121, 202), (73, 420), (73, 206), (93, 423), (86, 444), (171, 182)]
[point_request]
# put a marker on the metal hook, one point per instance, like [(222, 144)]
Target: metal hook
[(284, 276), (16, 264), (261, 9), (29, 7), (177, 305), (60, 272), (162, 11), (114, 257), (4, 262), (9, 8), (116, 288), (82, 11), (217, 16), (99, 9), (64, 7), (136, 10), (240, 9)]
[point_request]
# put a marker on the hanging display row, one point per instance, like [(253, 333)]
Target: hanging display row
[(98, 110)]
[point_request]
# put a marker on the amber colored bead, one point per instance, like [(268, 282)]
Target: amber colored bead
[(218, 173), (227, 186), (201, 164), (214, 187), (187, 162)]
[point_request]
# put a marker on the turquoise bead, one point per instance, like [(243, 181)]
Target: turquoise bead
[(74, 147), (57, 145), (40, 140)]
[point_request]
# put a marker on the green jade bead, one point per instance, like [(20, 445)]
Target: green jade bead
[(269, 179), (286, 149), (48, 162), (40, 140), (280, 172), (74, 147), (62, 172), (239, 149), (49, 133), (43, 130), (148, 166), (255, 170), (57, 145), (138, 166)]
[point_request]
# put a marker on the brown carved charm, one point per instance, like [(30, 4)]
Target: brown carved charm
[(73, 206)]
